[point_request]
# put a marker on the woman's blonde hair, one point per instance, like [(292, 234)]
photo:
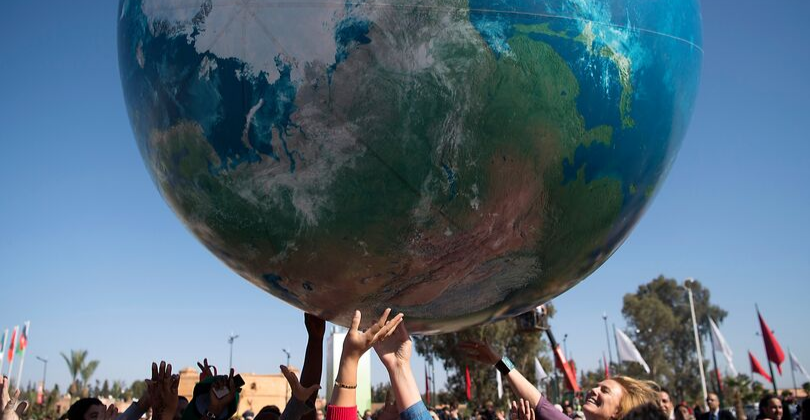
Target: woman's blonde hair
[(636, 393)]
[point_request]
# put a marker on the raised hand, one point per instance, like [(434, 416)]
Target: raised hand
[(298, 391), (522, 410), (389, 410), (111, 413), (396, 350), (218, 405), (10, 409), (205, 370), (480, 351), (162, 390), (316, 327), (358, 342)]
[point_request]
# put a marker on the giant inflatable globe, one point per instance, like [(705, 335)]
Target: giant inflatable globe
[(460, 161)]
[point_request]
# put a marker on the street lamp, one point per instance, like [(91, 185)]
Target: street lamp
[(565, 346), (686, 285), (286, 396), (288, 356), (607, 336), (231, 339), (44, 370)]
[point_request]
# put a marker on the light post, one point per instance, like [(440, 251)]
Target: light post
[(697, 338), (231, 339), (565, 346), (607, 336), (286, 395), (44, 361)]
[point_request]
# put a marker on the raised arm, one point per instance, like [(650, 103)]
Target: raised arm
[(395, 355), (313, 359), (484, 353), (344, 394)]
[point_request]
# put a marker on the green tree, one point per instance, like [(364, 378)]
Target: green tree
[(379, 391), (136, 389), (660, 324), (504, 336), (79, 366)]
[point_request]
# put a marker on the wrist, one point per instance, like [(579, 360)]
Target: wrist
[(504, 365)]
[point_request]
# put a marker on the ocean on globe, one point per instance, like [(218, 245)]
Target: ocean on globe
[(461, 161)]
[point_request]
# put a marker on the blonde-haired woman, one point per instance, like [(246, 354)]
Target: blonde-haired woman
[(610, 400)]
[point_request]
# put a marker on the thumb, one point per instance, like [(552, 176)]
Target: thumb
[(311, 390), (356, 321)]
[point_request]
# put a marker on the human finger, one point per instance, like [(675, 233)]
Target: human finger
[(154, 371), (384, 317), (291, 378), (391, 326), (356, 321)]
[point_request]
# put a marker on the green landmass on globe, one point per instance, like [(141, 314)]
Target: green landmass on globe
[(460, 161)]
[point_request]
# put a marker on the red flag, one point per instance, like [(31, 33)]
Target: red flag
[(427, 387), (469, 387), (11, 347), (757, 368), (772, 347)]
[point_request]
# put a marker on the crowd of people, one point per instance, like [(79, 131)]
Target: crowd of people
[(216, 397)]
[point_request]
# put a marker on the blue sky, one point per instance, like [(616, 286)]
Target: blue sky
[(91, 254)]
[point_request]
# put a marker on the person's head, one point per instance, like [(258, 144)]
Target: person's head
[(182, 403), (682, 412), (770, 407), (646, 411), (86, 409), (713, 401), (664, 401), (268, 412), (319, 415), (490, 406), (367, 414), (568, 410), (615, 397)]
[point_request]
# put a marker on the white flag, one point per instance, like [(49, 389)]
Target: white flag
[(539, 371), (721, 346), (797, 367), (628, 351), (500, 383)]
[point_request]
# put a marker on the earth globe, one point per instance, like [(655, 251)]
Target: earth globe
[(460, 161)]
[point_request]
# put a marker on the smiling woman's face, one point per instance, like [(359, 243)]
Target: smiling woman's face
[(602, 402)]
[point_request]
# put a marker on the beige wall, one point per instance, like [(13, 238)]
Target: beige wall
[(259, 390)]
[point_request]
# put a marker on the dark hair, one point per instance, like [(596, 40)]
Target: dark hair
[(646, 411), (662, 389), (765, 402), (79, 408), (182, 398)]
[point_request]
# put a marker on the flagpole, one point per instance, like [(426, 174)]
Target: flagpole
[(767, 356), (11, 351), (793, 374), (3, 351), (618, 357), (19, 372), (20, 344), (719, 388), (697, 340)]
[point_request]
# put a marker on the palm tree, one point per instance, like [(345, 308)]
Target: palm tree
[(78, 365)]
